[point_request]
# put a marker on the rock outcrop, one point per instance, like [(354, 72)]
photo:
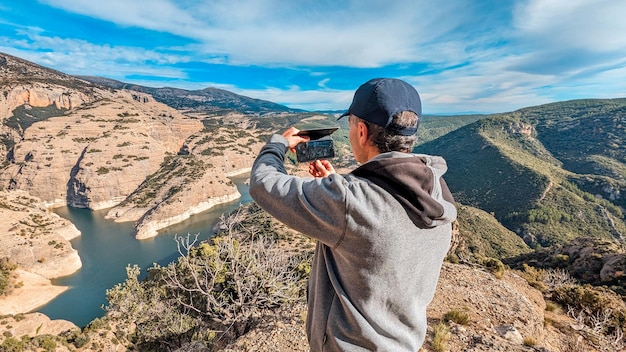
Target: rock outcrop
[(71, 142), (149, 225), (38, 241), (95, 156), (35, 324), (591, 260), (34, 238), (190, 182), (33, 291), (41, 95)]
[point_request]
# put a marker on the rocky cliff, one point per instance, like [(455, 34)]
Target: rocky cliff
[(96, 155), (37, 240), (193, 180), (34, 237)]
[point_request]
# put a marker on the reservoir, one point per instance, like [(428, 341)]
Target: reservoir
[(106, 248)]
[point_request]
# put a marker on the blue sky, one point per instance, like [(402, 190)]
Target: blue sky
[(461, 55)]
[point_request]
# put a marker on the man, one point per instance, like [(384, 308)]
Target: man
[(382, 231)]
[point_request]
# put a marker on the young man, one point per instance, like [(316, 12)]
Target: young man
[(382, 230)]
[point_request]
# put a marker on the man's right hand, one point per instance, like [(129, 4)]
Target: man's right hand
[(321, 168), (292, 137)]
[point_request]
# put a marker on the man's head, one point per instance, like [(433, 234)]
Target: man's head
[(380, 99), (384, 114)]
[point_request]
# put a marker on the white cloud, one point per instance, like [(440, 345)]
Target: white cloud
[(478, 57), (593, 25), (323, 99), (352, 33), (159, 15), (80, 57)]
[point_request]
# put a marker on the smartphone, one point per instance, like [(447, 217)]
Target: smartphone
[(322, 148)]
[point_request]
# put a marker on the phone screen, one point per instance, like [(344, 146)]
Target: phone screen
[(314, 150)]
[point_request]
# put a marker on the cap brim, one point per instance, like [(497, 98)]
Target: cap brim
[(344, 114)]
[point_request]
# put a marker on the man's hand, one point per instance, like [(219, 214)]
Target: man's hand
[(293, 138), (321, 168)]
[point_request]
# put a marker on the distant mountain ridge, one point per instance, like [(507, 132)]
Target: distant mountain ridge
[(550, 173), (17, 70), (209, 100)]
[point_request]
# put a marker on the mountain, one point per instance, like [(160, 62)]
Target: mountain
[(209, 100), (549, 173)]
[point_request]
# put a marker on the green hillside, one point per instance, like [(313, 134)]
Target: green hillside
[(432, 127), (483, 236), (589, 138), (518, 166)]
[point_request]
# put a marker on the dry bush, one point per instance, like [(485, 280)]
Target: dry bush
[(546, 280), (216, 290), (6, 269), (600, 313), (599, 329), (231, 281), (456, 316), (441, 335)]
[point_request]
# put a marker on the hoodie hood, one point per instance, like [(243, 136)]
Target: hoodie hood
[(416, 182)]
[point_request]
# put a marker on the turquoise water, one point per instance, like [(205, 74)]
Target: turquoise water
[(106, 248)]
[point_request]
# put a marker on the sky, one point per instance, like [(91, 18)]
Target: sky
[(463, 56)]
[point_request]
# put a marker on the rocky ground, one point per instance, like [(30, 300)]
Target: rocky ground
[(505, 315)]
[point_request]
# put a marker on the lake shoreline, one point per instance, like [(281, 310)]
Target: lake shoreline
[(107, 247)]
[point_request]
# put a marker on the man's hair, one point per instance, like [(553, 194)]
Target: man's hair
[(386, 140)]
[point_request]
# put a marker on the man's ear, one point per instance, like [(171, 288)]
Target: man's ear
[(362, 133)]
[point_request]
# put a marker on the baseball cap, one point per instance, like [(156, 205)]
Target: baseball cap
[(378, 99)]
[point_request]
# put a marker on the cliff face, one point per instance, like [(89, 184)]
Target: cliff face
[(35, 238), (194, 180), (41, 95), (25, 83), (38, 241), (96, 155)]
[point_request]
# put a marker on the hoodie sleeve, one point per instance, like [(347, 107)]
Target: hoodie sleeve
[(313, 206)]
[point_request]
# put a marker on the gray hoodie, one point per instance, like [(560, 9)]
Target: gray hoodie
[(383, 231)]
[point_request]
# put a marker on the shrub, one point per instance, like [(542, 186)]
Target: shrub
[(102, 170), (47, 342), (534, 277), (552, 307), (593, 301), (215, 290), (6, 268), (11, 344), (560, 260), (441, 335), (495, 266), (529, 341), (78, 339), (456, 316)]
